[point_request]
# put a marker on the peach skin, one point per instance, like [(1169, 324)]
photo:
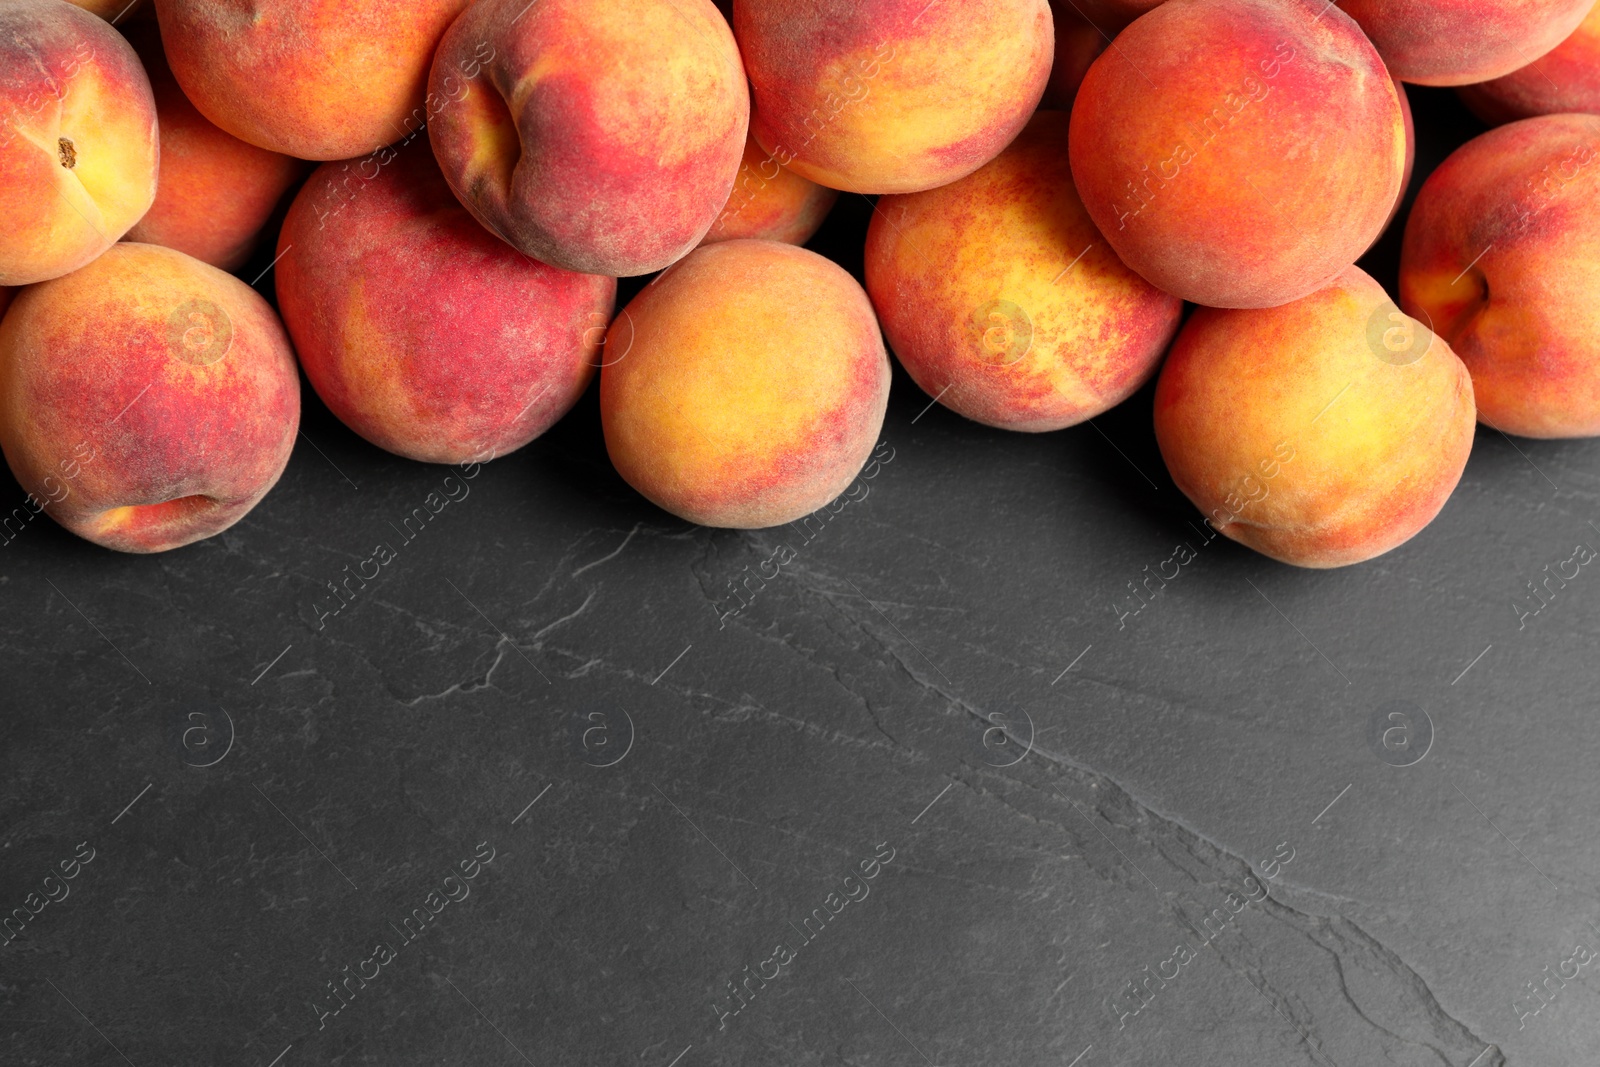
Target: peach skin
[(148, 400), (1502, 254), (600, 136), (746, 386), (505, 348), (1002, 300), (216, 192), (1567, 79), (1457, 42), (771, 203), (892, 96), (1321, 433), (78, 146), (317, 79), (1239, 153)]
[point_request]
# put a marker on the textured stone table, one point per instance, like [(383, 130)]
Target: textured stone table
[(545, 792)]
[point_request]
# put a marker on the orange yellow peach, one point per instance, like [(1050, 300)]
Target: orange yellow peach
[(1320, 433), (895, 96), (1003, 301), (176, 412), (1502, 255), (1567, 79), (1239, 153), (771, 203), (317, 79), (78, 149), (1457, 42), (746, 386)]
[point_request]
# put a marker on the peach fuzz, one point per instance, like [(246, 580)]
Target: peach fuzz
[(771, 203), (1320, 433), (1502, 254), (600, 136), (892, 96), (147, 400), (78, 150), (746, 386), (1457, 42), (1001, 299), (216, 192), (1239, 153), (317, 79), (1078, 44), (505, 348), (1567, 79)]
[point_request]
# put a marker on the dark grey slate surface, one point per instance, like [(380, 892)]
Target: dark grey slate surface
[(262, 800)]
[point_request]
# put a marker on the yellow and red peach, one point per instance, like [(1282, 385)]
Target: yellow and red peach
[(506, 348), (1457, 42), (1239, 153), (176, 413), (1003, 301), (746, 386), (216, 192), (1502, 254), (600, 136), (896, 96), (771, 203), (317, 79), (78, 149), (1567, 79), (1078, 44), (1320, 433)]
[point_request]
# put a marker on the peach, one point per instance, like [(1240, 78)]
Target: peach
[(1239, 153), (175, 413), (771, 203), (505, 346), (78, 149), (216, 192), (892, 96), (317, 79), (1566, 79), (1078, 44), (1320, 433), (746, 386), (600, 136), (1003, 301), (1502, 254), (1456, 42)]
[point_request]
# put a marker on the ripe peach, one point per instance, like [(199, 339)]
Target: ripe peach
[(771, 203), (746, 386), (216, 191), (1320, 433), (507, 344), (78, 152), (317, 79), (1456, 42), (1567, 79), (600, 136), (1078, 44), (174, 415), (1502, 253), (1003, 301), (892, 96), (1239, 153)]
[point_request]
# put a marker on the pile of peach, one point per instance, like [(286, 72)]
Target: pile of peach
[(447, 278)]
